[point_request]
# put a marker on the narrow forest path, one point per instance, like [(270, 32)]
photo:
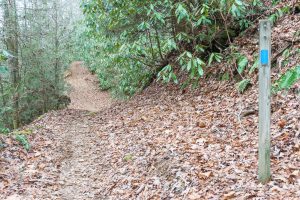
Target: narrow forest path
[(69, 163), (159, 145), (80, 168), (85, 93)]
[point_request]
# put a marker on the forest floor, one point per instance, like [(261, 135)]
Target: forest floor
[(162, 144)]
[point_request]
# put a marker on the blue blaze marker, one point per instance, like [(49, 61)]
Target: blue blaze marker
[(264, 57)]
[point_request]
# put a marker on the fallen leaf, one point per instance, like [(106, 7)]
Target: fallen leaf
[(229, 195), (282, 123), (194, 196), (205, 175), (201, 124)]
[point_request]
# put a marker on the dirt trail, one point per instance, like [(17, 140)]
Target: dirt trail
[(69, 164), (79, 169), (85, 93), (70, 167)]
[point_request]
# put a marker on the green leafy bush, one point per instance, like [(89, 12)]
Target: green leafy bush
[(4, 130), (242, 63), (22, 139), (242, 85), (129, 42), (287, 80)]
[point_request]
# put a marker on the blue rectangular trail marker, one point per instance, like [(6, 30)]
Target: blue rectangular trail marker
[(264, 57)]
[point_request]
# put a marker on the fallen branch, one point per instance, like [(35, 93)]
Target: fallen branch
[(248, 113)]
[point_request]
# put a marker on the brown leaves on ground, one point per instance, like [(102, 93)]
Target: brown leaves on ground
[(154, 148)]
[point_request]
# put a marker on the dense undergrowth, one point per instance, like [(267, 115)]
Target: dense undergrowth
[(128, 44)]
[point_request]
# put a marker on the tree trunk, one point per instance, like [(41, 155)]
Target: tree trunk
[(56, 66), (12, 43)]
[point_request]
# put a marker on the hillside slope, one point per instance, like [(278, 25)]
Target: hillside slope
[(159, 145)]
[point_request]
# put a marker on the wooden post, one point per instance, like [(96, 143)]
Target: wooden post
[(264, 173)]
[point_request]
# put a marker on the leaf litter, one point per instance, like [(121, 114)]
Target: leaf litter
[(154, 148)]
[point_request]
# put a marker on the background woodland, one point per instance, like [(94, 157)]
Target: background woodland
[(36, 48)]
